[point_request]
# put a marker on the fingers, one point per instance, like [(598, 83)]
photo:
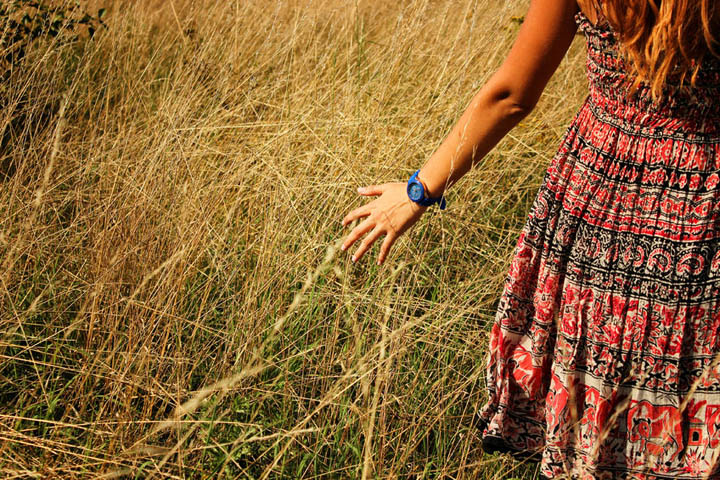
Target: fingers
[(362, 211), (371, 190), (366, 243), (385, 247), (378, 222), (357, 232)]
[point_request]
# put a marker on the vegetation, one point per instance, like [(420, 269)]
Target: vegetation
[(173, 301), (24, 21)]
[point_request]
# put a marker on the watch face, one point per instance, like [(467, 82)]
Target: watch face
[(416, 192)]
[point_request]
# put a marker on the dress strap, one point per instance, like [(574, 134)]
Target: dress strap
[(602, 29)]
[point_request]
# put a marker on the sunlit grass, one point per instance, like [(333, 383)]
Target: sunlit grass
[(173, 301)]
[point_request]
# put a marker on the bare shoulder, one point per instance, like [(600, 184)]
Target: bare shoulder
[(589, 11)]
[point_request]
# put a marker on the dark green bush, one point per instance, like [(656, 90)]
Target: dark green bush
[(24, 21)]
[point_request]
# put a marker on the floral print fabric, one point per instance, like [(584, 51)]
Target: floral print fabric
[(603, 359)]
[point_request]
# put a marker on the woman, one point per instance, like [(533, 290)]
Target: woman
[(604, 351)]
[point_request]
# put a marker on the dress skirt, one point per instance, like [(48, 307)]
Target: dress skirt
[(604, 352)]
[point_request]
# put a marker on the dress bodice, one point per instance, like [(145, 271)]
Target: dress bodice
[(689, 110)]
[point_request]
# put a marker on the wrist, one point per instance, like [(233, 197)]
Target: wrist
[(431, 190), (416, 207), (417, 192)]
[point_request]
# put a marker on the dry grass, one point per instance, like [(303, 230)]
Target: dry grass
[(172, 301)]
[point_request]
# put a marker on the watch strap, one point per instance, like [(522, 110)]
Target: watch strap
[(427, 201)]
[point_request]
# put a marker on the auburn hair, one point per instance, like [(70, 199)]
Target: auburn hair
[(663, 41)]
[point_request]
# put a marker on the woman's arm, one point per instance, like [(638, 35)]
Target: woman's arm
[(508, 96)]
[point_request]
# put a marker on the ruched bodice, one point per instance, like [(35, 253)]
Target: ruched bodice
[(692, 110)]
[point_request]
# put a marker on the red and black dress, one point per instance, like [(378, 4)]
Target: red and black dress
[(603, 352)]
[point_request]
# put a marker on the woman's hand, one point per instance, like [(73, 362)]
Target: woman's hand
[(390, 214)]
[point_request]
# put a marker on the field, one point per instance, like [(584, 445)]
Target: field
[(173, 300)]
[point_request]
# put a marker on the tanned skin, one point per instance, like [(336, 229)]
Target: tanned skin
[(510, 94)]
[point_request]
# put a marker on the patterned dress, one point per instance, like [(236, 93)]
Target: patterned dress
[(602, 359)]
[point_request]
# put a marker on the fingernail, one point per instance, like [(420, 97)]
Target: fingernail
[(361, 189), (342, 248), (354, 259)]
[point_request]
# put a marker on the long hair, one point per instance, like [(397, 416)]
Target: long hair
[(664, 42)]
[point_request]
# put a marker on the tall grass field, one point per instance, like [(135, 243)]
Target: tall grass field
[(173, 299)]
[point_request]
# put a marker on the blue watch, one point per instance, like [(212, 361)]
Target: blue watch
[(416, 192)]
